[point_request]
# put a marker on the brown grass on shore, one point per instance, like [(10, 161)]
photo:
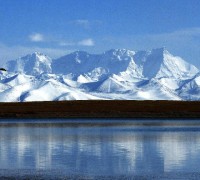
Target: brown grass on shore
[(101, 109)]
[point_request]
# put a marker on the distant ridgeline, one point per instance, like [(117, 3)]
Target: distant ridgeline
[(114, 74)]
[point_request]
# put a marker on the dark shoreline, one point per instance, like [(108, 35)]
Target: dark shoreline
[(101, 109)]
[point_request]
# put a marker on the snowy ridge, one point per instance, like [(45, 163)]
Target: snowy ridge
[(114, 74), (31, 64)]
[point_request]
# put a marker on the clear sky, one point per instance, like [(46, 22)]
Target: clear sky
[(57, 27)]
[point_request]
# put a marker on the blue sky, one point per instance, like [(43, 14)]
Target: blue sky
[(57, 27)]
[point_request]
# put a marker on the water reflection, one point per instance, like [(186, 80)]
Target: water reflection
[(102, 149)]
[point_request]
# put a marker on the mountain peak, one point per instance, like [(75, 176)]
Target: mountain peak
[(119, 52), (161, 50), (38, 53), (31, 64), (35, 56), (80, 52)]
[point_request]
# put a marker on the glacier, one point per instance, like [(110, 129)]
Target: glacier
[(116, 74)]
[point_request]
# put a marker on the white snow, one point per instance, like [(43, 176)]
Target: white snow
[(114, 74), (32, 64)]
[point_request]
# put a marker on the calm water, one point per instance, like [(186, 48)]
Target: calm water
[(94, 149)]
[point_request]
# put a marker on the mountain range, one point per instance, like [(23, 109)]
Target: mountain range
[(114, 74)]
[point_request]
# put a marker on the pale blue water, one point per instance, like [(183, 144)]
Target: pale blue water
[(94, 149)]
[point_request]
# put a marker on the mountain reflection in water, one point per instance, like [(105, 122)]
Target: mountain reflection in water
[(101, 148)]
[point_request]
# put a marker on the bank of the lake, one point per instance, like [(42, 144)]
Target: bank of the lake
[(101, 109)]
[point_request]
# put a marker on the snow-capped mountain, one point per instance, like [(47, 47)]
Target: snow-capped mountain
[(114, 74), (32, 64), (93, 67), (159, 63), (148, 64)]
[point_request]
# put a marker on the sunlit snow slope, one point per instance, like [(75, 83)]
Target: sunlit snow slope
[(114, 74)]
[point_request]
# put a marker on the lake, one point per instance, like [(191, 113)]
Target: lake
[(100, 149)]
